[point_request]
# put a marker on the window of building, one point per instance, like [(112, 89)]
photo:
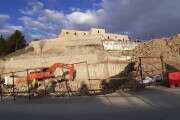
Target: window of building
[(75, 33), (67, 32), (84, 33), (108, 37), (98, 31)]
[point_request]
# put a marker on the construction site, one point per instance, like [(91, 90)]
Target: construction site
[(86, 63), (92, 73)]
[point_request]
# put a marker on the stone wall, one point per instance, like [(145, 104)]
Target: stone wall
[(56, 45), (34, 62), (2, 66), (77, 38), (95, 68)]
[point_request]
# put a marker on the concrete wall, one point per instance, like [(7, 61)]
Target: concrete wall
[(119, 45)]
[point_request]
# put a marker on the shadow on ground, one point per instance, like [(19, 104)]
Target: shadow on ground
[(151, 103)]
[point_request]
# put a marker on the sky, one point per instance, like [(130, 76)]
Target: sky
[(140, 19)]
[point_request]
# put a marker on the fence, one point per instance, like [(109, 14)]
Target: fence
[(150, 66), (88, 81)]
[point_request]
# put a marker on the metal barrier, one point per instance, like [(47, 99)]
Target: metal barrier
[(149, 66), (19, 86)]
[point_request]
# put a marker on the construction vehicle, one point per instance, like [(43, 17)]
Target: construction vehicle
[(57, 72)]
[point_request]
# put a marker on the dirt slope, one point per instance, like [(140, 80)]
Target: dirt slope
[(169, 48)]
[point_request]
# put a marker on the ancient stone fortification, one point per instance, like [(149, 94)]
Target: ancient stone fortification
[(106, 54), (73, 38)]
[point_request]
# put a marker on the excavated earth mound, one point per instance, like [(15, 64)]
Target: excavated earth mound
[(169, 48)]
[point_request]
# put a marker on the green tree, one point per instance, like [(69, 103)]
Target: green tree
[(15, 41), (2, 45)]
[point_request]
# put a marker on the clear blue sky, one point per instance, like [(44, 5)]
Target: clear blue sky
[(45, 18)]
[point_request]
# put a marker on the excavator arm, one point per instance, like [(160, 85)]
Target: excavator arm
[(49, 72)]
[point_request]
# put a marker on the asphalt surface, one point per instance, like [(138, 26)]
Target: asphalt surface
[(156, 103)]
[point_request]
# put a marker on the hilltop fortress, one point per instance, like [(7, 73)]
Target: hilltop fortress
[(96, 55), (74, 38), (92, 32), (105, 54)]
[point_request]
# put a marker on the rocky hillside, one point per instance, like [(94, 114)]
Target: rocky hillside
[(169, 48)]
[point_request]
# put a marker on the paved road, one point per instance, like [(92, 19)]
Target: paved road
[(150, 104)]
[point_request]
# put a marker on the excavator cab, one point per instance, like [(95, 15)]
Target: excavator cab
[(57, 72)]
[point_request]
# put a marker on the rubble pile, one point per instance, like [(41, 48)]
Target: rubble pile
[(169, 48)]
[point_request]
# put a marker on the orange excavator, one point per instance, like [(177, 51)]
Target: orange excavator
[(57, 72)]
